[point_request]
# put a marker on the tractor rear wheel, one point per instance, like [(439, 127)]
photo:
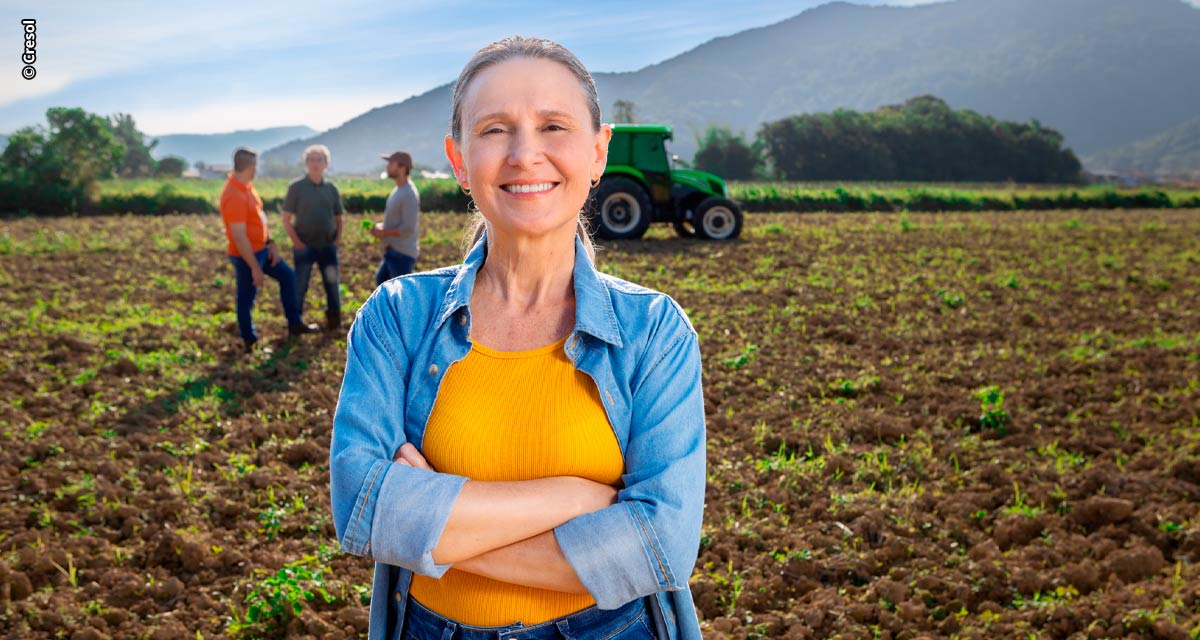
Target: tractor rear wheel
[(622, 209)]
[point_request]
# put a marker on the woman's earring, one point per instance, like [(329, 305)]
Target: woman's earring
[(466, 190), (595, 182)]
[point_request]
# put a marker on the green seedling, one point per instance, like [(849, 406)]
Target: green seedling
[(991, 406), (280, 598)]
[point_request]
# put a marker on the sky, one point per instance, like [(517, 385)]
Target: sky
[(223, 66)]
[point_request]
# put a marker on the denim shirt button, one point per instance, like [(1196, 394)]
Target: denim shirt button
[(433, 369), (462, 319), (398, 596)]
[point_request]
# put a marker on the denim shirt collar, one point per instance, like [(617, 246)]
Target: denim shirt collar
[(594, 313)]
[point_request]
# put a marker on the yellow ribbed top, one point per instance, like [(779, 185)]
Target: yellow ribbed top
[(507, 416)]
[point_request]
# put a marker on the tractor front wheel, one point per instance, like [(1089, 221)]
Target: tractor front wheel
[(718, 219)]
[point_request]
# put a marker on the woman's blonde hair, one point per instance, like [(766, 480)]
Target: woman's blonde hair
[(507, 49)]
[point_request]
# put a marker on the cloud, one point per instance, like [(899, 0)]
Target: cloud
[(149, 58), (80, 41), (316, 63), (321, 112), (199, 98)]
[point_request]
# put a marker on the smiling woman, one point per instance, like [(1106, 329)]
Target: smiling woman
[(519, 439), (568, 143)]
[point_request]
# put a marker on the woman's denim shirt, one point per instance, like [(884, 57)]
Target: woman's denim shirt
[(641, 351)]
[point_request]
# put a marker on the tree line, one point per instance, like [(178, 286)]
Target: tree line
[(922, 140), (58, 167)]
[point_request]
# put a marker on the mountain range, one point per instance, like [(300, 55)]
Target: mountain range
[(218, 148), (1107, 74), (1174, 153)]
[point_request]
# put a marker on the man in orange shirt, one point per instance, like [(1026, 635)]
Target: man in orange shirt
[(253, 252)]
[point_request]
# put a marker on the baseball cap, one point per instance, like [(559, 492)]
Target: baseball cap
[(400, 157)]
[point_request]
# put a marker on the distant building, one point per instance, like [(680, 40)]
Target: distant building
[(1118, 178), (208, 171)]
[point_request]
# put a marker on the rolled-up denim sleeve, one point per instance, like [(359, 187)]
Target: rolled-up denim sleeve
[(648, 541), (392, 513)]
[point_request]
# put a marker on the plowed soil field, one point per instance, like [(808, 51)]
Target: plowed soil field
[(972, 426)]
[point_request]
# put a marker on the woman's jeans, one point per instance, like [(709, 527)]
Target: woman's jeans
[(247, 292), (326, 259), (394, 265), (631, 621)]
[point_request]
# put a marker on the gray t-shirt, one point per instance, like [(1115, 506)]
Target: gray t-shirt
[(401, 212), (315, 206)]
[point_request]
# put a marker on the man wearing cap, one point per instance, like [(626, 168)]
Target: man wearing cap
[(399, 232), (312, 218)]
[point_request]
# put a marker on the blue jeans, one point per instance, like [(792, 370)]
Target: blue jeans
[(326, 259), (629, 622), (247, 292), (394, 265)]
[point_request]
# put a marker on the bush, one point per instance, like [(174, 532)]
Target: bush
[(170, 167), (727, 155), (166, 199), (29, 197), (55, 170)]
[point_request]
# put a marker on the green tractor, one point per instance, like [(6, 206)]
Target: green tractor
[(640, 186)]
